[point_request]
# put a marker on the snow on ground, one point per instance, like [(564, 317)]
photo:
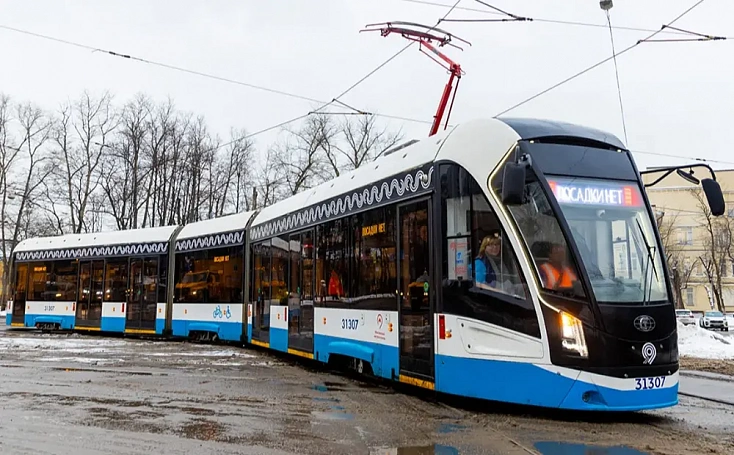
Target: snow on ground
[(100, 351), (695, 341)]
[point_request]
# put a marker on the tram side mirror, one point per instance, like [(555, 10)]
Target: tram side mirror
[(714, 196), (513, 183)]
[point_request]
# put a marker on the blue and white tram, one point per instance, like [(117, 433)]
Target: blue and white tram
[(208, 301), (107, 281), (508, 260)]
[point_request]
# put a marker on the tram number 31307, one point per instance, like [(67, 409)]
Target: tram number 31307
[(649, 383), (350, 324)]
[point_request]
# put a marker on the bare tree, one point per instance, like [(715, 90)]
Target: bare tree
[(237, 179), (82, 137), (34, 128), (269, 183), (675, 255), (299, 158), (359, 142), (716, 246)]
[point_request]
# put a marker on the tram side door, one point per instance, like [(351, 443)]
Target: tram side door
[(142, 298), (301, 298), (89, 294), (19, 299), (261, 271), (414, 303)]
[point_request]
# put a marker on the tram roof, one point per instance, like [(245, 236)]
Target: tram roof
[(228, 223), (477, 144), (130, 236), (529, 129), (404, 159)]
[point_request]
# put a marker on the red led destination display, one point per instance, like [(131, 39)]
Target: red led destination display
[(594, 193)]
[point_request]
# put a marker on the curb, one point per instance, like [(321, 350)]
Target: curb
[(707, 375)]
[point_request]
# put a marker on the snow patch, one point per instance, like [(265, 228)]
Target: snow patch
[(56, 344), (86, 360), (695, 341), (209, 353)]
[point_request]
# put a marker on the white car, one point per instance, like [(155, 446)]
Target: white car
[(685, 317), (714, 320)]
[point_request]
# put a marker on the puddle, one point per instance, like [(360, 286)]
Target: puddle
[(565, 448), (331, 415), (450, 427), (435, 449), (97, 370), (326, 399)]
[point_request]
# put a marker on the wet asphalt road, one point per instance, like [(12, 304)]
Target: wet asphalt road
[(90, 395)]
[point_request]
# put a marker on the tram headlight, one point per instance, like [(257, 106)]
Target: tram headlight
[(572, 335)]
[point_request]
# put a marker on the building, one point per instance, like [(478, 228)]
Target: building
[(687, 239)]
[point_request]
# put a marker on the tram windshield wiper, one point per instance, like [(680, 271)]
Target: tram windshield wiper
[(648, 262)]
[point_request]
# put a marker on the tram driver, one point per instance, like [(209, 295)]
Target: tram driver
[(556, 273)]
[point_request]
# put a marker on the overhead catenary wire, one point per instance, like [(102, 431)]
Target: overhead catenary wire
[(616, 72), (324, 104), (208, 75), (536, 19), (686, 158), (342, 94), (596, 65)]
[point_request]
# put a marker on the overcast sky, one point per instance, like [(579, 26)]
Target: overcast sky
[(678, 97)]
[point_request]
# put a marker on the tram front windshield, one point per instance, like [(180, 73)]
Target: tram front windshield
[(614, 234)]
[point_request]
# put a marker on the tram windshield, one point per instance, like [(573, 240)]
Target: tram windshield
[(614, 234)]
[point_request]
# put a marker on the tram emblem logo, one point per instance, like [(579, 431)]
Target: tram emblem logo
[(644, 323), (648, 353), (379, 320)]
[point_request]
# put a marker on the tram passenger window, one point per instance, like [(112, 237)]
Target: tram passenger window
[(494, 265), (54, 281), (279, 270), (332, 263), (481, 275), (374, 272), (116, 280), (209, 276)]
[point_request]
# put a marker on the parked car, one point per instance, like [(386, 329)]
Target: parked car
[(714, 320), (686, 317)]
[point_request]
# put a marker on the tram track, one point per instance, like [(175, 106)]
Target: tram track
[(712, 400)]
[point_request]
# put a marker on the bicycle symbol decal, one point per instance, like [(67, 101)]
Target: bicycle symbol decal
[(219, 314)]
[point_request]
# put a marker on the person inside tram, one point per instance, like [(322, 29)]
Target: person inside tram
[(487, 264), (335, 285), (556, 273)]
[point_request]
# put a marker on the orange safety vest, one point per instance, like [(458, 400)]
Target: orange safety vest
[(553, 275)]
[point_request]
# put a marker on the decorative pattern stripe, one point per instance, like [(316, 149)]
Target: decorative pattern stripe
[(94, 252), (211, 241), (380, 193)]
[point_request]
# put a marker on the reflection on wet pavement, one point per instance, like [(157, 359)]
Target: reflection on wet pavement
[(129, 396), (565, 448), (435, 449), (450, 427)]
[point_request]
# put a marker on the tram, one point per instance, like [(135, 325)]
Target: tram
[(512, 260)]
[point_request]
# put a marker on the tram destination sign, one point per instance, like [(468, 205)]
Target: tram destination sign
[(585, 192)]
